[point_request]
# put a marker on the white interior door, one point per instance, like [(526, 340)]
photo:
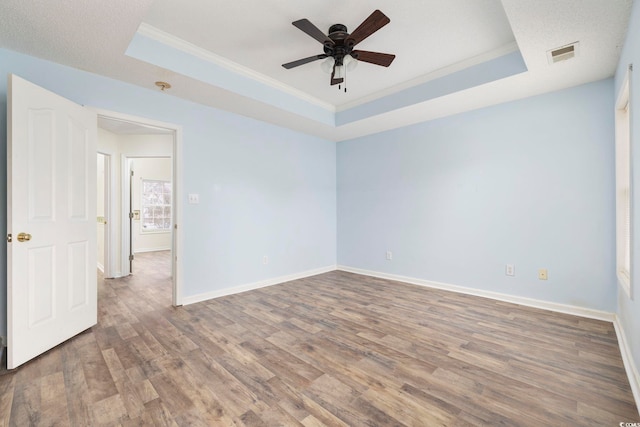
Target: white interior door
[(51, 167)]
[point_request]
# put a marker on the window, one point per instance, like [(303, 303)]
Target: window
[(156, 206), (623, 187)]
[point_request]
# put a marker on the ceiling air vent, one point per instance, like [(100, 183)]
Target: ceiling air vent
[(562, 53)]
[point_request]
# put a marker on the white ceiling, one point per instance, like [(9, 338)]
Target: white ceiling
[(259, 36), (251, 39), (125, 127)]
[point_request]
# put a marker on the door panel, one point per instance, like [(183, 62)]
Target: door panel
[(77, 172), (41, 160), (41, 285), (52, 280), (78, 254)]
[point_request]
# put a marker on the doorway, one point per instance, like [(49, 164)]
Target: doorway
[(134, 223), (149, 225)]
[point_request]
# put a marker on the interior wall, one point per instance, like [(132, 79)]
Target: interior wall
[(629, 310), (264, 190), (154, 168), (108, 143), (528, 183), (100, 209), (146, 145)]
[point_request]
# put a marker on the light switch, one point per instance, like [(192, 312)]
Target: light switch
[(194, 199)]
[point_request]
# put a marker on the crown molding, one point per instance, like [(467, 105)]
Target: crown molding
[(441, 72), (170, 40)]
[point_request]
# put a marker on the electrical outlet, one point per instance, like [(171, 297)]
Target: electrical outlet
[(510, 270), (265, 260), (542, 274), (389, 255)]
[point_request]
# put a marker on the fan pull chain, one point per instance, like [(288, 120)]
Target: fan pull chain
[(344, 79)]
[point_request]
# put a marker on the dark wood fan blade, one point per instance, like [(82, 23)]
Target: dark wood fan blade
[(335, 81), (383, 59), (306, 26), (373, 23), (303, 61)]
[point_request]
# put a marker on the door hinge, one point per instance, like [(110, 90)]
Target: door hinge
[(130, 257), (130, 215), (9, 238), (132, 172), (175, 226)]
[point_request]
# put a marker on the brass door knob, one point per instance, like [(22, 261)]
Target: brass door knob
[(24, 237)]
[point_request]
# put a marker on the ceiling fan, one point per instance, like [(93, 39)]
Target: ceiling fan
[(339, 44)]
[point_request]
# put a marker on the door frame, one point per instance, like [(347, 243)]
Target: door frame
[(127, 232), (177, 205), (108, 226)]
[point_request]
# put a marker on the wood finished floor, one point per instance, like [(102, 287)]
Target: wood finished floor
[(336, 349)]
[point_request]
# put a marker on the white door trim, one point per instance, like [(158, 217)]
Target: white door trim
[(109, 228), (177, 276)]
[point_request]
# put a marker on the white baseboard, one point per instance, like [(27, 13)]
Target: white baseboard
[(116, 275), (141, 250), (529, 302), (255, 285), (627, 359)]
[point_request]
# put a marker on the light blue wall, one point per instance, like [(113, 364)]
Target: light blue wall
[(264, 190), (629, 311), (476, 75), (528, 183)]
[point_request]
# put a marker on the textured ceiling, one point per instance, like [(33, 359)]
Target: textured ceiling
[(450, 54)]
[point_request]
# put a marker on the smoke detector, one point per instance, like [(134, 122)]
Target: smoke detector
[(563, 53)]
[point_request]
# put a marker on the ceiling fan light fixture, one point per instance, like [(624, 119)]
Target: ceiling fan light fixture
[(327, 65), (350, 62)]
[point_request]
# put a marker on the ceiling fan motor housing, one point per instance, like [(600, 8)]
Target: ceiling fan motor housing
[(338, 31), (341, 46)]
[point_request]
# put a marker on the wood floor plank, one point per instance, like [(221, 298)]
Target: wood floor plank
[(53, 408), (76, 388), (109, 411), (337, 349), (7, 387), (159, 414)]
